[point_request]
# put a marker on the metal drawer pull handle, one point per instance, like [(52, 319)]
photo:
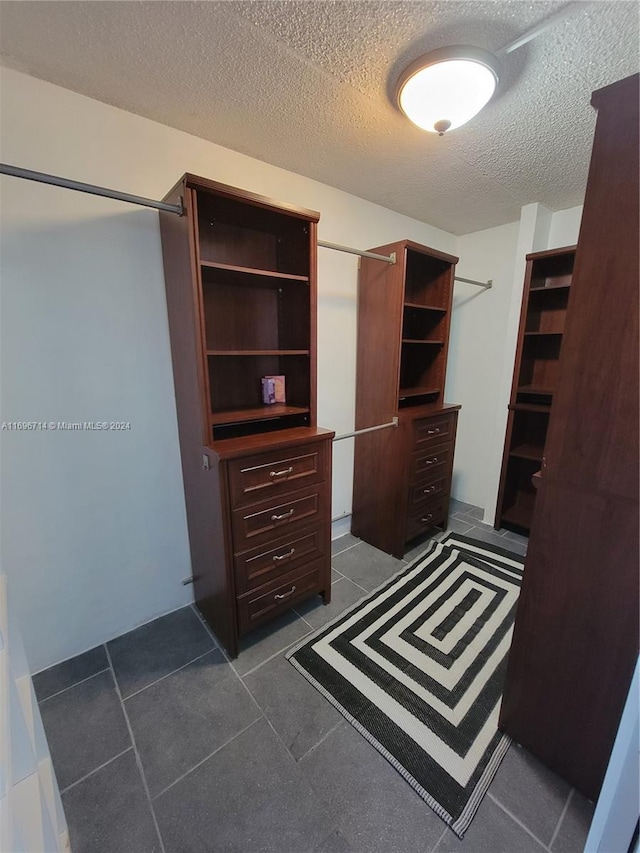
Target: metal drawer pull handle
[(277, 558), (284, 473), (429, 490), (284, 515), (285, 594), (431, 461), (433, 431), (427, 517)]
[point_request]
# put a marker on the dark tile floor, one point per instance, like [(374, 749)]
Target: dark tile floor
[(160, 743)]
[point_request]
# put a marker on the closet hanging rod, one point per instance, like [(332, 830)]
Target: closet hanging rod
[(485, 284), (393, 423), (391, 259), (388, 259), (92, 189), (43, 178)]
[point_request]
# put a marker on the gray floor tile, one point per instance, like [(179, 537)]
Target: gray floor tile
[(488, 534), (531, 792), (476, 512), (335, 843), (265, 642), (182, 719), (301, 716), (575, 826), (85, 727), (344, 593), (154, 650), (374, 808), (335, 576), (109, 812), (460, 506), (250, 797), (491, 831), (367, 566), (69, 672), (514, 537), (342, 543), (458, 526)]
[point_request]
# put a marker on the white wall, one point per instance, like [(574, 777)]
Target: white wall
[(565, 227), (93, 525), (476, 355)]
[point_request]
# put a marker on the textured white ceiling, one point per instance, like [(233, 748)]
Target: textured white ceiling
[(307, 86)]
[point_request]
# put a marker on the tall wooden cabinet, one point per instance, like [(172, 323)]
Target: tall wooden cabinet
[(240, 273), (575, 641), (402, 476), (535, 377)]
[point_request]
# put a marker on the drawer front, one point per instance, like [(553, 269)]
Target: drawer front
[(428, 492), (433, 430), (423, 518), (255, 478), (430, 464), (266, 602), (271, 520), (270, 562)]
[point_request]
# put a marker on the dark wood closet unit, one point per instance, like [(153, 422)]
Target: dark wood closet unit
[(240, 273), (575, 640), (545, 298), (402, 475)]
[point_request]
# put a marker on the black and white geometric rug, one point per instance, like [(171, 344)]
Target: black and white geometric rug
[(418, 668)]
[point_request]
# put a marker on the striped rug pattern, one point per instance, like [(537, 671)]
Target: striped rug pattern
[(417, 667)]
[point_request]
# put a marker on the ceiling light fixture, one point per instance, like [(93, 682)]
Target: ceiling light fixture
[(445, 88)]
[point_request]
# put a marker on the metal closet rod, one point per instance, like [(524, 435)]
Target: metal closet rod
[(92, 189), (391, 259), (393, 423)]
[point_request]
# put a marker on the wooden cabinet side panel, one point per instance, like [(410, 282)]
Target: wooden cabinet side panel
[(575, 638), (203, 494), (576, 631), (593, 433), (380, 489), (380, 298)]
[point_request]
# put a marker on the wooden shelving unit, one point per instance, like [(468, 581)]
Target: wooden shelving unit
[(535, 377), (402, 476), (240, 273)]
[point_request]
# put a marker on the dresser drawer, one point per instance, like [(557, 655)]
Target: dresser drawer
[(422, 518), (430, 464), (271, 520), (428, 492), (255, 478), (270, 562), (433, 430), (262, 604)]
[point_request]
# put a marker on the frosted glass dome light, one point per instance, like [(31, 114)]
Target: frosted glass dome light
[(445, 88)]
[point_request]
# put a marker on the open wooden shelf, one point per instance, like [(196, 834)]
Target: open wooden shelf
[(425, 307), (530, 407), (258, 413), (418, 392), (561, 286), (518, 515), (535, 377), (252, 271), (421, 342), (229, 352), (535, 389), (527, 451)]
